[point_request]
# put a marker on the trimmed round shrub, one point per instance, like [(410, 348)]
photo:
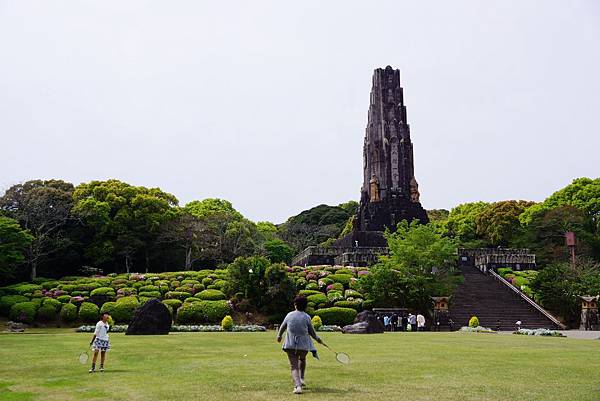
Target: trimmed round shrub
[(67, 287), (177, 295), (147, 288), (336, 287), (206, 281), (23, 312), (7, 301), (334, 296), (106, 291), (80, 293), (87, 287), (337, 316), (198, 287), (312, 286), (108, 307), (190, 282), (53, 302), (474, 322), (126, 291), (317, 322), (192, 299), (22, 289), (46, 313), (186, 289), (48, 285), (356, 304), (68, 313), (150, 294), (173, 303), (343, 279), (352, 294), (124, 309), (202, 312), (306, 293), (89, 312), (227, 323), (211, 295), (317, 298), (63, 299)]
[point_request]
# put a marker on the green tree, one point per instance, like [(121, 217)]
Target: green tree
[(124, 219), (462, 224), (278, 251), (419, 265), (211, 206), (499, 222), (438, 215), (14, 242), (44, 209)]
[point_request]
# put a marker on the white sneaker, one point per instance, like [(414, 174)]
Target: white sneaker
[(298, 390)]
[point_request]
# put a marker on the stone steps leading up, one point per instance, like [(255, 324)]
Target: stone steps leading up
[(482, 296)]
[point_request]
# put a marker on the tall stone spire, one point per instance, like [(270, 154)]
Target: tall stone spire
[(389, 192)]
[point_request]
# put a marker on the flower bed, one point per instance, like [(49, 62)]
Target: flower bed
[(539, 332), (248, 328), (478, 329)]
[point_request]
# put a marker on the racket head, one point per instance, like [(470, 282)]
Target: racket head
[(83, 357), (342, 358)]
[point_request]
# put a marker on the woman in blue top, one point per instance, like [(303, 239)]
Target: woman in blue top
[(298, 343)]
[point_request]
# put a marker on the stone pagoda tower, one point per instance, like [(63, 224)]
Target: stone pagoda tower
[(390, 192)]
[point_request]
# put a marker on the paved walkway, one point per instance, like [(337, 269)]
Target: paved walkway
[(582, 335)]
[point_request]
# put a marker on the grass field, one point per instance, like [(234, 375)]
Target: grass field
[(250, 366)]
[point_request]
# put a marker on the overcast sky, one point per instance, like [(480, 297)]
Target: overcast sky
[(264, 103)]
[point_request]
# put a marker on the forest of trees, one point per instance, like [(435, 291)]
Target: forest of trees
[(52, 228)]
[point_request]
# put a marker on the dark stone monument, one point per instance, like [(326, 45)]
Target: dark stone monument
[(150, 319), (365, 323), (390, 192)]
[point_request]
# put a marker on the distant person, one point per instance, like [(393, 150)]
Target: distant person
[(412, 321), (451, 324), (498, 325), (386, 323), (518, 324), (420, 322), (403, 322), (394, 321), (299, 330), (100, 342)]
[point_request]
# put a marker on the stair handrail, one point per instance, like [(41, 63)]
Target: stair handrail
[(527, 299)]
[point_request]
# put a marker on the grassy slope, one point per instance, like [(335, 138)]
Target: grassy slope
[(212, 366)]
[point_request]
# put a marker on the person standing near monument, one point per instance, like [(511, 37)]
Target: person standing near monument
[(412, 321), (420, 322)]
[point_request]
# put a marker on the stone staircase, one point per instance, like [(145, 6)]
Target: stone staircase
[(490, 300)]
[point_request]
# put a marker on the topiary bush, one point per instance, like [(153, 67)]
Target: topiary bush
[(46, 313), (474, 322), (7, 301), (227, 323), (68, 313), (106, 291), (89, 312), (334, 296), (177, 295), (307, 293), (343, 279), (317, 322), (108, 307), (53, 302), (23, 312), (203, 311), (336, 315), (63, 299), (312, 286), (317, 298), (352, 294), (124, 309), (211, 295), (150, 294), (356, 304)]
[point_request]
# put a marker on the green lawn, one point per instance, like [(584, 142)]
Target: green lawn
[(250, 366)]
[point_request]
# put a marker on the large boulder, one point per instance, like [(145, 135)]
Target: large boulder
[(365, 323), (151, 318)]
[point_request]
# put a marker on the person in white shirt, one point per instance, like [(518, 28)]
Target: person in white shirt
[(100, 342), (420, 322)]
